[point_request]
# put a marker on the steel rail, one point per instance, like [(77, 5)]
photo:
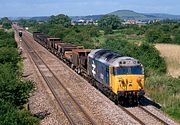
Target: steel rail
[(33, 54)]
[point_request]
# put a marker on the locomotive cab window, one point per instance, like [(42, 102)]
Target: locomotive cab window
[(120, 70), (123, 70), (137, 70)]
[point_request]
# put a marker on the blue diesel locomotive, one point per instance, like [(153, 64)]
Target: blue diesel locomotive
[(123, 76)]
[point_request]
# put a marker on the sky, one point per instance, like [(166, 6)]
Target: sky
[(29, 8)]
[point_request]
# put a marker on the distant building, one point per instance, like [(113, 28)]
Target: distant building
[(84, 22), (134, 22)]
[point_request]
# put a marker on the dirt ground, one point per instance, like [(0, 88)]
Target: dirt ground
[(171, 53)]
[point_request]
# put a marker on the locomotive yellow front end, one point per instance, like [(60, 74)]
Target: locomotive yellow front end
[(127, 80)]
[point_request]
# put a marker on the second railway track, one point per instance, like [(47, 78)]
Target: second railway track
[(71, 108), (144, 116)]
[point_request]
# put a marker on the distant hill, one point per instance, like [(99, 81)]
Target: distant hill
[(129, 14), (164, 16), (41, 18)]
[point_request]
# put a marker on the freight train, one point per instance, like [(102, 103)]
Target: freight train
[(119, 77)]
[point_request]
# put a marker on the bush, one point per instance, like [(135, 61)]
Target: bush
[(177, 36), (14, 92), (9, 55), (9, 115), (153, 35), (108, 31), (6, 23), (13, 89), (109, 21), (165, 90), (7, 39)]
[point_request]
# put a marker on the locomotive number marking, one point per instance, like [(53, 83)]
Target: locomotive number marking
[(93, 69)]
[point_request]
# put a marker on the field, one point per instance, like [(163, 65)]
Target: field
[(171, 53)]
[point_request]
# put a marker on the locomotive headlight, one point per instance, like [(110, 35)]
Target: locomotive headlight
[(139, 79), (120, 80), (130, 81)]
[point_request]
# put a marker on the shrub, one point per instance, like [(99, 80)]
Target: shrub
[(165, 90), (9, 115), (13, 89)]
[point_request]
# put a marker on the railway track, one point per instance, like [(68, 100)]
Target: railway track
[(71, 108), (143, 116)]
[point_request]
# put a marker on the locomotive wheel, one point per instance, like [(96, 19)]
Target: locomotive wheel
[(121, 100), (79, 71), (72, 66)]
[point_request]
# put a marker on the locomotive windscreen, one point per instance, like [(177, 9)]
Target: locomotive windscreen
[(123, 70)]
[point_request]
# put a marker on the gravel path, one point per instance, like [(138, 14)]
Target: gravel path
[(42, 98)]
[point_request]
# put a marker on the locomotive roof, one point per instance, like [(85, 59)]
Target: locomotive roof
[(52, 38), (81, 50), (113, 59)]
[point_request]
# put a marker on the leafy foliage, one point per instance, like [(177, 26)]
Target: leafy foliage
[(60, 19), (27, 23), (177, 36), (9, 55), (109, 22), (165, 90), (6, 23), (14, 92), (163, 33), (13, 89), (9, 115)]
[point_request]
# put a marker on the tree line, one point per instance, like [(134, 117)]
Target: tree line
[(6, 23), (14, 91)]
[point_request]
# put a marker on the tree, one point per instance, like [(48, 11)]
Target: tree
[(12, 89), (6, 23), (60, 19), (110, 21), (165, 38), (9, 55), (27, 23), (152, 35), (177, 36), (9, 115)]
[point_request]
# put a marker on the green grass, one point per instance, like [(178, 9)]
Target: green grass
[(123, 34), (166, 91)]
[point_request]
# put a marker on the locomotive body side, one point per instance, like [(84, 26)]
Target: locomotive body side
[(99, 71)]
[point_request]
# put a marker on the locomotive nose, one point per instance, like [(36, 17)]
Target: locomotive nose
[(131, 82)]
